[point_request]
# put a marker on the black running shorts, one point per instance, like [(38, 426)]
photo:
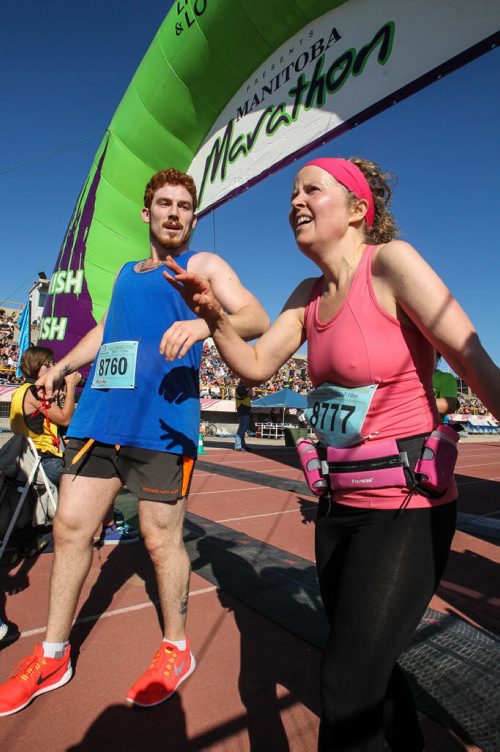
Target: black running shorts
[(147, 473)]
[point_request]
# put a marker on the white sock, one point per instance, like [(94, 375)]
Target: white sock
[(54, 649), (179, 644)]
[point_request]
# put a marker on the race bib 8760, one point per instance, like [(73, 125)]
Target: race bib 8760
[(336, 413), (115, 366)]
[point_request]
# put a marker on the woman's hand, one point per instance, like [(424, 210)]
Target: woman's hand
[(196, 292)]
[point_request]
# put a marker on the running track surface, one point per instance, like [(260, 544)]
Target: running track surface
[(255, 686)]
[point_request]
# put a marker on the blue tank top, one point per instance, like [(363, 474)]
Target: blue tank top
[(162, 412)]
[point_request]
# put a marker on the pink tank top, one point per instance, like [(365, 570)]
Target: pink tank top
[(363, 344)]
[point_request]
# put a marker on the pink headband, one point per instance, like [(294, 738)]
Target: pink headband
[(351, 177)]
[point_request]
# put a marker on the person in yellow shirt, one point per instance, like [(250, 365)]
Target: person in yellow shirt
[(40, 419), (243, 397)]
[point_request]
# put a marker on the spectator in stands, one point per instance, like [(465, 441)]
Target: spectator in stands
[(243, 399), (12, 360), (444, 384)]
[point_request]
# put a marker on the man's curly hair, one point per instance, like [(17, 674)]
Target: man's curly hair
[(170, 176)]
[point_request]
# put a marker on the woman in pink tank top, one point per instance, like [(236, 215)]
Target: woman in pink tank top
[(373, 320)]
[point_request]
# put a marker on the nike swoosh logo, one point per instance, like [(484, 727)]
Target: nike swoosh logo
[(178, 670), (42, 679)]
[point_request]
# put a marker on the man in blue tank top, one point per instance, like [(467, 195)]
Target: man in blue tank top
[(137, 425)]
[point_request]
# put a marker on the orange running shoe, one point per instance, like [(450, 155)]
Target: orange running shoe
[(32, 677), (169, 668)]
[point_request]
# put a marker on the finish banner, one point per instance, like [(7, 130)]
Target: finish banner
[(231, 91), (339, 70)]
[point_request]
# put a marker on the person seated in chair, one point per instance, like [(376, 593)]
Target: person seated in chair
[(40, 420)]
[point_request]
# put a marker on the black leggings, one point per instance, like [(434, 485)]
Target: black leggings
[(378, 570)]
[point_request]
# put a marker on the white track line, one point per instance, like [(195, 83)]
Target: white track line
[(223, 491), (266, 514), (274, 472), (248, 488), (117, 612)]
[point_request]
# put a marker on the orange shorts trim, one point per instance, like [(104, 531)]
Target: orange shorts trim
[(187, 474)]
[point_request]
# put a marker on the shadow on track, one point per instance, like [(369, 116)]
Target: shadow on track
[(120, 727), (271, 657)]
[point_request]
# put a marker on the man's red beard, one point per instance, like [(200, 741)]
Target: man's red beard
[(170, 244)]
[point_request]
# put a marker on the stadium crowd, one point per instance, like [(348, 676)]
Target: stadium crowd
[(9, 349), (218, 381), (471, 405)]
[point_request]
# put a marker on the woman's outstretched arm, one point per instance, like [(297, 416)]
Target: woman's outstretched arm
[(254, 363)]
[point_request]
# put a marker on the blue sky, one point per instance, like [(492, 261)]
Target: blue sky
[(65, 67)]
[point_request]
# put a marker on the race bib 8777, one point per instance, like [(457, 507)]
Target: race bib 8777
[(336, 413)]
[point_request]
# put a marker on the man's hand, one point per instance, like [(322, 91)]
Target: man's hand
[(177, 340), (196, 292), (49, 384)]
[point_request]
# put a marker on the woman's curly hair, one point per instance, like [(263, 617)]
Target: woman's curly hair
[(384, 226)]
